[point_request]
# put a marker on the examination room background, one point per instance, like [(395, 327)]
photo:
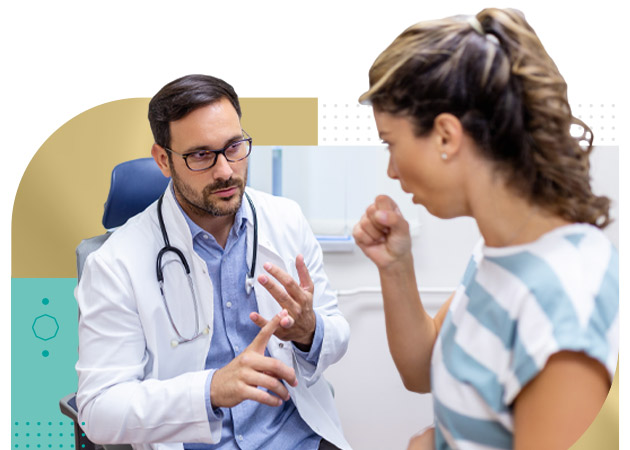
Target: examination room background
[(63, 69)]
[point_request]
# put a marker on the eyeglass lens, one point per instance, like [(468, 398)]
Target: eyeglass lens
[(204, 159)]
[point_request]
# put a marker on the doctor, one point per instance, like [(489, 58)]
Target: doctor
[(208, 363)]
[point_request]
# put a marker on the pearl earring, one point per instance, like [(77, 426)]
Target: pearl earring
[(444, 156)]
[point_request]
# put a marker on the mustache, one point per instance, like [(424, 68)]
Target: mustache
[(223, 184)]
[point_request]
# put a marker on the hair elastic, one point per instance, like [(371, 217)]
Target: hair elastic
[(476, 25)]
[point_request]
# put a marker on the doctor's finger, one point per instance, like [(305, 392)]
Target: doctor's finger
[(262, 338), (260, 396), (275, 368), (305, 277), (284, 295), (270, 383)]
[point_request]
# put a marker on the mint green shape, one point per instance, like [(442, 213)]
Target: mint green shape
[(38, 382), (45, 327)]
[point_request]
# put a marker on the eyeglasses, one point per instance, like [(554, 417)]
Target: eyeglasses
[(205, 159)]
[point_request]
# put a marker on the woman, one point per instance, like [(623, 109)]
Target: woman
[(476, 118)]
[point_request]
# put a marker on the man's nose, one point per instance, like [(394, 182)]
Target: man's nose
[(222, 168)]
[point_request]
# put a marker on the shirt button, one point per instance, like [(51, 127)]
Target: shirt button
[(228, 304), (205, 236), (240, 437), (236, 348), (281, 345)]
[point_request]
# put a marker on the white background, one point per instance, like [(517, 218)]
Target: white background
[(60, 58)]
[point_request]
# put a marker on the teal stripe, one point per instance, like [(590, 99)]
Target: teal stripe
[(471, 269), (575, 238), (468, 371), (467, 428), (606, 309), (522, 364), (546, 288), (490, 313)]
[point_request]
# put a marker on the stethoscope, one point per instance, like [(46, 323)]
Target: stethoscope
[(249, 280)]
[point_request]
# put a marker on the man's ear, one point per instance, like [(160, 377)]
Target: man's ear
[(161, 159), (449, 132)]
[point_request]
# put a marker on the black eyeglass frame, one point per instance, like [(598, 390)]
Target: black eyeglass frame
[(216, 153)]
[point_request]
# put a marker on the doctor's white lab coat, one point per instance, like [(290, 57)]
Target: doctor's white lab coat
[(134, 387)]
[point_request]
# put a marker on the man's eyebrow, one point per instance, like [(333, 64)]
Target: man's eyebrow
[(229, 141)]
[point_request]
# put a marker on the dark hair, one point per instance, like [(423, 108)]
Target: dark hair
[(492, 72), (183, 96)]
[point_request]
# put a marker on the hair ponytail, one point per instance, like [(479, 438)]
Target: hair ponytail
[(508, 94)]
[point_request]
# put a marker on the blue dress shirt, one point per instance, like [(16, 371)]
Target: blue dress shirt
[(248, 425)]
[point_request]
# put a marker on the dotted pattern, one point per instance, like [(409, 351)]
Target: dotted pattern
[(601, 118), (42, 435), (344, 122)]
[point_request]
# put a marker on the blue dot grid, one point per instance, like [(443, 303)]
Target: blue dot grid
[(58, 435)]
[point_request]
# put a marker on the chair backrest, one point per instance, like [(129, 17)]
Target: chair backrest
[(134, 185)]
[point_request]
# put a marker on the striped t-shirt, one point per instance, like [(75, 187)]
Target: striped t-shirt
[(515, 307)]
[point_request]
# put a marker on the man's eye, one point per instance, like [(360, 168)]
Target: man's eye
[(200, 155)]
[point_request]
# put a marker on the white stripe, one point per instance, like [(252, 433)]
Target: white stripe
[(462, 398), (503, 286), (535, 330), (566, 262)]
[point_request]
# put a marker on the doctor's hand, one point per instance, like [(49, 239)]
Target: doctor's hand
[(297, 299), (383, 233), (241, 378)]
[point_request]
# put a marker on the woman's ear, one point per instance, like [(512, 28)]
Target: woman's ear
[(161, 158), (449, 133)]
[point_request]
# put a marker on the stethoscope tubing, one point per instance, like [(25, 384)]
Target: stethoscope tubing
[(249, 281)]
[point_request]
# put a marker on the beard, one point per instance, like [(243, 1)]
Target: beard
[(203, 203)]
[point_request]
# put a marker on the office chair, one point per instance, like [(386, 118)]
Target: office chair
[(134, 185)]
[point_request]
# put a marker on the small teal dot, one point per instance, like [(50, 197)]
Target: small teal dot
[(16, 434), (39, 423), (60, 423), (49, 423), (82, 423), (49, 434), (16, 423), (45, 301), (39, 434), (45, 354), (28, 423)]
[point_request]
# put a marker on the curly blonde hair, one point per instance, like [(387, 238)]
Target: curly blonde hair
[(493, 73)]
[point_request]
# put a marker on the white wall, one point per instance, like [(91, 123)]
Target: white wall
[(336, 183)]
